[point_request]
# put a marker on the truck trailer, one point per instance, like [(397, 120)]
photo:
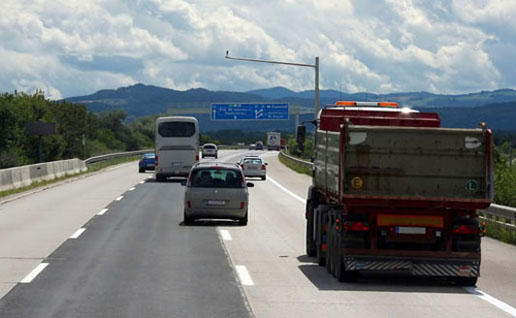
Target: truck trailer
[(392, 191), (273, 140)]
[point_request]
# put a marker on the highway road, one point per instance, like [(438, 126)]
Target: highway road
[(112, 244)]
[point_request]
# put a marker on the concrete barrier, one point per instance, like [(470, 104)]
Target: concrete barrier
[(18, 177)]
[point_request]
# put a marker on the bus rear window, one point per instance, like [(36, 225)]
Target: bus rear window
[(176, 129)]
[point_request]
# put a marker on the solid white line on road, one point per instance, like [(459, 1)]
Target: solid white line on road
[(490, 299), (78, 233), (34, 273), (225, 235), (119, 198), (244, 276), (132, 189), (101, 212), (286, 190)]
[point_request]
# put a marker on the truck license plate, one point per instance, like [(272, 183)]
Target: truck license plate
[(216, 202), (410, 230)]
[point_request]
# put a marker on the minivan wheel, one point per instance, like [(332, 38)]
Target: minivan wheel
[(243, 221), (187, 220)]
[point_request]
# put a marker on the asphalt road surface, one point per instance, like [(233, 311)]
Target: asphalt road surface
[(116, 247)]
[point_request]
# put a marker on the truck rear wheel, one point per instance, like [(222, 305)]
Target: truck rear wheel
[(311, 248), (465, 281)]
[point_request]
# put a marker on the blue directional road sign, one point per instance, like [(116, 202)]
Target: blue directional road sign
[(249, 111)]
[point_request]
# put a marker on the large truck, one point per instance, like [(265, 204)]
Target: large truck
[(273, 140), (393, 191)]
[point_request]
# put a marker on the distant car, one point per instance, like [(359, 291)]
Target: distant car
[(253, 166), (216, 190), (147, 162), (252, 147), (259, 145), (209, 150)]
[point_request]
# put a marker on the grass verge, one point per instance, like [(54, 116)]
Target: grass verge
[(500, 232), (91, 168), (295, 166)]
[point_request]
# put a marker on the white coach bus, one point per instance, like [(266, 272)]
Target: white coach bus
[(177, 146)]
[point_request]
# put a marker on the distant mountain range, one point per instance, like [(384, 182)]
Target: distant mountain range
[(497, 108)]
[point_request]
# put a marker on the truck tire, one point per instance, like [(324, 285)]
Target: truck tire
[(331, 243), (341, 274), (465, 281), (321, 259), (311, 248), (319, 221)]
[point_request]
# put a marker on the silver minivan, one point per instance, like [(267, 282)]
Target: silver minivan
[(216, 190)]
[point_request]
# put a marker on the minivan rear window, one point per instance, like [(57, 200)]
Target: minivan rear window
[(216, 178), (176, 129)]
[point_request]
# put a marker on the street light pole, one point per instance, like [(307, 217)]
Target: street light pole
[(315, 66)]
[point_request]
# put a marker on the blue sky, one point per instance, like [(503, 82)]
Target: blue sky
[(76, 47)]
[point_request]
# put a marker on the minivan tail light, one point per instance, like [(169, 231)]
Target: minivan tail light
[(263, 167), (242, 204), (197, 157), (156, 160), (189, 203)]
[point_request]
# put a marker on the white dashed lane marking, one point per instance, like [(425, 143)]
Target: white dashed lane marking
[(78, 233), (35, 272), (243, 275), (225, 235)]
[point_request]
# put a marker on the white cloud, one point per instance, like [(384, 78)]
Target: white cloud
[(75, 47)]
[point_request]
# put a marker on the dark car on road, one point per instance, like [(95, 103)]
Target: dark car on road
[(147, 162)]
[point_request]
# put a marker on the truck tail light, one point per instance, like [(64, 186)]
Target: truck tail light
[(156, 160), (355, 226), (263, 167), (197, 157), (242, 204), (465, 229), (189, 203)]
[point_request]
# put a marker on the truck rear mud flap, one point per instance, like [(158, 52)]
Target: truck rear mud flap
[(417, 267)]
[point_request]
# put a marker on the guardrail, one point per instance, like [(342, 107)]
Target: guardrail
[(296, 160), (501, 214), (116, 155)]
